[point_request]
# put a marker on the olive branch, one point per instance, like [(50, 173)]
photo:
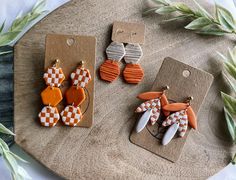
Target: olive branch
[(11, 159), (202, 22), (20, 23)]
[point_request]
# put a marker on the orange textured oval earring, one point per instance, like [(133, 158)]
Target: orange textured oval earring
[(133, 72), (110, 69), (51, 96), (75, 96)]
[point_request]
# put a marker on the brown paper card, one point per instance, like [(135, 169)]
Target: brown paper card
[(71, 50), (184, 81), (126, 32)]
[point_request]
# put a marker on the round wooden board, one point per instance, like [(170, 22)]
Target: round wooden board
[(104, 151)]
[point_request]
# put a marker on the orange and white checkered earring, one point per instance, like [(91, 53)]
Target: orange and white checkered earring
[(182, 115), (75, 96), (151, 108), (51, 96)]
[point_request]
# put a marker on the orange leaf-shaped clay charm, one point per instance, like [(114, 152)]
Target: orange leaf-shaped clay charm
[(191, 118), (164, 102), (175, 107), (149, 95)]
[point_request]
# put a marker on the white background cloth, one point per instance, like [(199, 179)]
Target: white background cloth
[(9, 9)]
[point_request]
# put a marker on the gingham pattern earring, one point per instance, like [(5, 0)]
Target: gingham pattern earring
[(51, 96), (151, 108), (182, 115), (75, 96)]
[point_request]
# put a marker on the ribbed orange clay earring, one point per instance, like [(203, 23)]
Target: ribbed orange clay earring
[(75, 96), (182, 115), (133, 72), (110, 69), (51, 96)]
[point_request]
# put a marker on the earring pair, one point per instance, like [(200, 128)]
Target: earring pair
[(52, 96), (177, 115), (131, 53)]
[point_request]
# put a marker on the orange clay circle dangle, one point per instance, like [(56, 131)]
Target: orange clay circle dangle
[(110, 69), (133, 72)]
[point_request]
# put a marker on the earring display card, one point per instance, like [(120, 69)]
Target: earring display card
[(184, 81), (70, 50), (126, 32)]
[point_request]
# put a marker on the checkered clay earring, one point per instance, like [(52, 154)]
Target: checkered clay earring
[(151, 108), (182, 115), (75, 96), (51, 96)]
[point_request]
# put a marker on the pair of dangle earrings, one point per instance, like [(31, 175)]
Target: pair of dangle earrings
[(116, 51), (178, 115), (52, 96)]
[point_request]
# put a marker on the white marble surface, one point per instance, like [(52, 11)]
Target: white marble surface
[(9, 9)]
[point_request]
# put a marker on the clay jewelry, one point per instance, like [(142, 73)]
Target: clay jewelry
[(133, 72), (51, 96), (179, 120), (151, 108), (110, 69), (75, 96)]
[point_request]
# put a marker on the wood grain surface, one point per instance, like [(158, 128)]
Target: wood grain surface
[(104, 151)]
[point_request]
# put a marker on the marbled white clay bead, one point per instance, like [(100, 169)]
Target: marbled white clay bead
[(133, 53), (115, 51)]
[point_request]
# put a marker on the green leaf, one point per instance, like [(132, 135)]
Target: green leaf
[(198, 23), (2, 26), (23, 174), (229, 102), (202, 11), (3, 145), (19, 24), (232, 85), (165, 10), (7, 37), (225, 18), (4, 130), (234, 159), (10, 162), (230, 69), (211, 29), (163, 2), (232, 57), (149, 11), (230, 124), (18, 157), (180, 17), (183, 8), (39, 6)]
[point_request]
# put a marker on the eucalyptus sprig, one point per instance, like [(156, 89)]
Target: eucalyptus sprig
[(202, 22), (229, 100), (20, 23), (11, 159)]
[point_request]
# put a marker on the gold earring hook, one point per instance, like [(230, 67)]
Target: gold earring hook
[(165, 88), (56, 63), (189, 99), (81, 64)]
